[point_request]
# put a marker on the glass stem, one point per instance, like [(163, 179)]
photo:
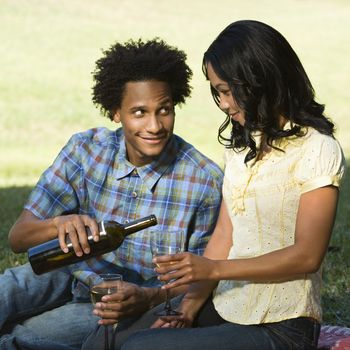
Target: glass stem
[(167, 306), (106, 338)]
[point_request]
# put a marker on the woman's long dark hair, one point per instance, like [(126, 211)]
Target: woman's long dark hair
[(267, 81)]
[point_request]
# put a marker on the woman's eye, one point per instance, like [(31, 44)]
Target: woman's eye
[(216, 94), (139, 113)]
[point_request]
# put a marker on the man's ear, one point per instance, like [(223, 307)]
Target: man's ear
[(116, 116)]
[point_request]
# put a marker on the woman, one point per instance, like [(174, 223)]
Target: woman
[(258, 284)]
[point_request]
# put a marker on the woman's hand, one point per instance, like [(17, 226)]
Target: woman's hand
[(185, 268), (184, 320), (180, 321)]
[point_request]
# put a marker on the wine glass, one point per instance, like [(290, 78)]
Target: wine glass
[(165, 243), (104, 284)]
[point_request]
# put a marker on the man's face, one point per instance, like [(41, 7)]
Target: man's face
[(147, 116)]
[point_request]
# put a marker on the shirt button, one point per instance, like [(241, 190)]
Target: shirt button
[(134, 194), (126, 221)]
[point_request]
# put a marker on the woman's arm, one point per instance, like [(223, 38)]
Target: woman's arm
[(314, 225), (315, 219)]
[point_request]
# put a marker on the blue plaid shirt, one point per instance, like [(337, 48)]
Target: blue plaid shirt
[(91, 174)]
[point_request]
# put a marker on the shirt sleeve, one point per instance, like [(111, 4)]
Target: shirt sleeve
[(322, 163), (57, 189), (205, 218)]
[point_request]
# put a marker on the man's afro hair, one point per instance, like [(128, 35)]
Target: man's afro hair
[(139, 61)]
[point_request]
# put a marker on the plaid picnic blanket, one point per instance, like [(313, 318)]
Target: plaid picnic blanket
[(334, 338)]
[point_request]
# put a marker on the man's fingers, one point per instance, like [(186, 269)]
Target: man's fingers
[(62, 238)]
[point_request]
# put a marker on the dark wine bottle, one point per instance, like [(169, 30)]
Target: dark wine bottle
[(49, 255)]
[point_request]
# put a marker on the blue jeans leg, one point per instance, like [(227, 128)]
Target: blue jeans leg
[(23, 294), (67, 326), (29, 342), (227, 336), (37, 312)]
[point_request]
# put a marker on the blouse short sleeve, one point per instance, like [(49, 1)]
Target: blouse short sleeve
[(322, 163)]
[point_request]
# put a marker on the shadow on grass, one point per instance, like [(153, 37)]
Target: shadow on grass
[(12, 200)]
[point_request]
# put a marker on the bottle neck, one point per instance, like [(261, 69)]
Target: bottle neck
[(140, 224)]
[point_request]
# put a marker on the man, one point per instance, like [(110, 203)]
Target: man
[(140, 169)]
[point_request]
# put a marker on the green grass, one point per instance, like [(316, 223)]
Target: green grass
[(11, 204), (336, 271), (47, 53)]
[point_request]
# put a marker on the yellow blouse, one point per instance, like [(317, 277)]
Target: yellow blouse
[(262, 200)]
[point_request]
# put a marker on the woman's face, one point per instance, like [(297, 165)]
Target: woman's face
[(227, 102)]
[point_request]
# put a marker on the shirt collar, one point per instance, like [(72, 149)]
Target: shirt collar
[(149, 173), (281, 144)]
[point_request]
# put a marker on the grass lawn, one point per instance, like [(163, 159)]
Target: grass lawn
[(47, 53)]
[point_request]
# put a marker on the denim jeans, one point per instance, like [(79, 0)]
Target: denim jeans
[(299, 333), (39, 312)]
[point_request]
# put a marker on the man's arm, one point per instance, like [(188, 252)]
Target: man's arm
[(29, 231)]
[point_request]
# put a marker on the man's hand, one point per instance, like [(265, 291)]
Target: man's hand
[(73, 227), (130, 300)]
